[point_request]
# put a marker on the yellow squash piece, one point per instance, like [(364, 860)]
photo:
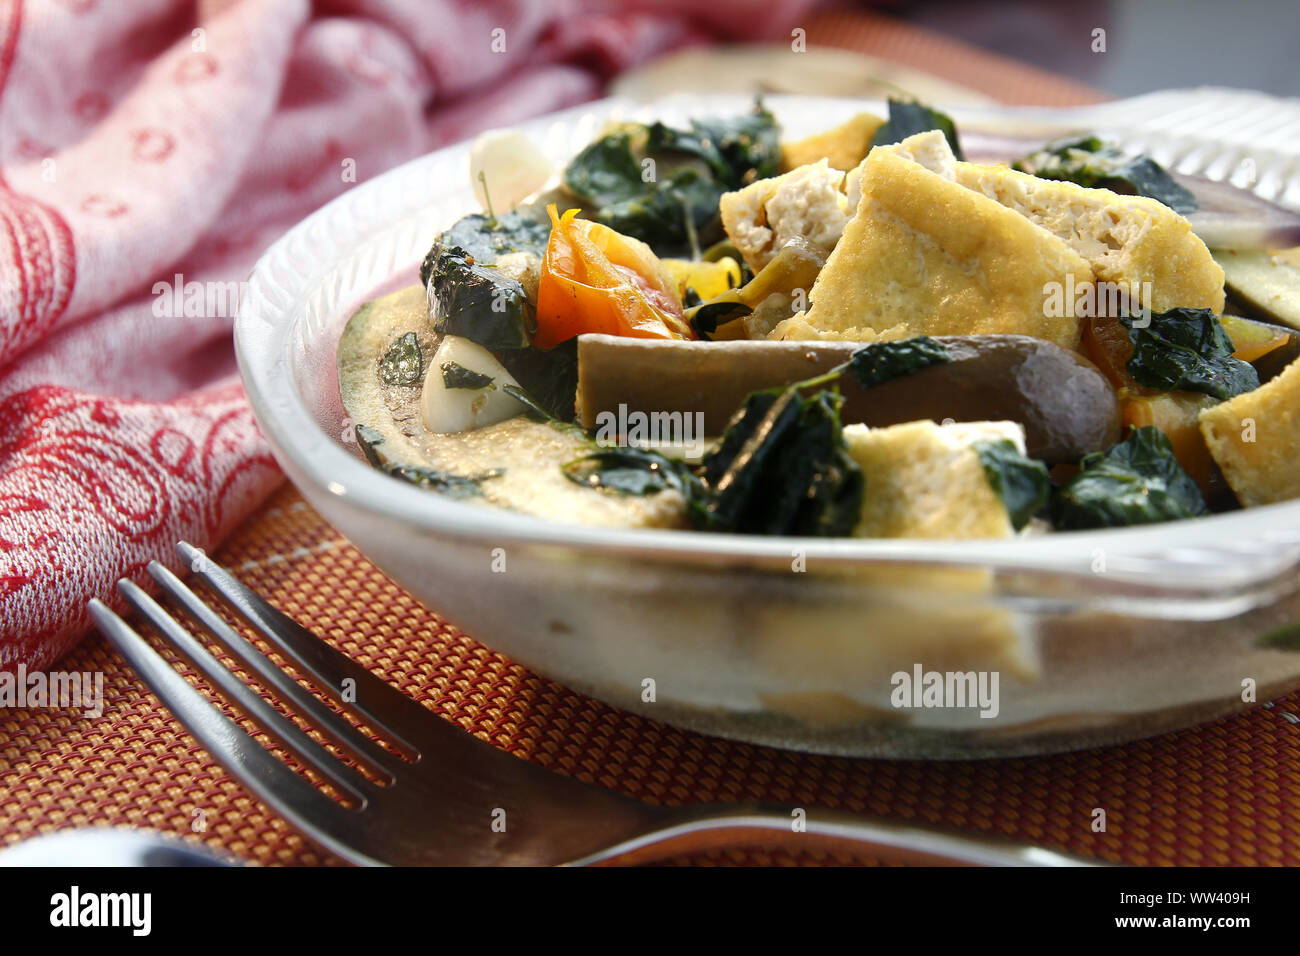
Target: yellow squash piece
[(708, 279)]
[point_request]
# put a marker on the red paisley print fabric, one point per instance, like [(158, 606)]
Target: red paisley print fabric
[(149, 152)]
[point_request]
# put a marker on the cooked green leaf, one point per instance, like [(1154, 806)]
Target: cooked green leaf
[(632, 179), (402, 364), (548, 376), (1021, 482), (367, 439), (782, 467), (455, 375), (908, 118), (1137, 481), (738, 150), (1187, 350), (881, 361), (1088, 161), (487, 239), (634, 471), (606, 170), (658, 215), (478, 302), (457, 486), (708, 317)]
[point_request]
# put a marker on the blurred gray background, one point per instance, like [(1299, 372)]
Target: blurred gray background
[(1150, 44)]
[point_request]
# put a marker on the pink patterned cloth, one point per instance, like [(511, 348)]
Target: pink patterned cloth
[(151, 144)]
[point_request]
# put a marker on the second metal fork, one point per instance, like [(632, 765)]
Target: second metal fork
[(439, 795)]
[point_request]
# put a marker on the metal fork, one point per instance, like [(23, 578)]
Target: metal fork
[(446, 797)]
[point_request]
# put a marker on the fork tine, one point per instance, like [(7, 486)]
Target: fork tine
[(276, 725), (244, 758), (321, 717), (384, 707)]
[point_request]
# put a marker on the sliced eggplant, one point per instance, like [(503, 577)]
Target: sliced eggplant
[(1267, 283), (1065, 404)]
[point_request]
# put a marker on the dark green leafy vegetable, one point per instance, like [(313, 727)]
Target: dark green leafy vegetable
[(402, 364), (1088, 161), (708, 317), (1187, 349), (661, 203), (781, 468), (659, 216), (1021, 482), (455, 375), (487, 239), (739, 150), (606, 170), (634, 471), (549, 376), (368, 438), (882, 361), (457, 486), (909, 118), (533, 410), (1137, 481), (478, 302)]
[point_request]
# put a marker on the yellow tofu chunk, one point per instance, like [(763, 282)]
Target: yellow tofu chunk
[(926, 256), (1132, 241), (843, 146), (808, 202), (927, 481), (1254, 438)]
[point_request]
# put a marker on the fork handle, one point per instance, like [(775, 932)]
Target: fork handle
[(711, 826)]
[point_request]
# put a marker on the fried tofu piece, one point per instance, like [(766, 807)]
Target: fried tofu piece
[(1127, 240), (843, 146), (808, 202), (927, 481), (1132, 241), (926, 256), (1254, 437)]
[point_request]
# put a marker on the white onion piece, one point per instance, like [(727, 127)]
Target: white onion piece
[(512, 165), (444, 410)]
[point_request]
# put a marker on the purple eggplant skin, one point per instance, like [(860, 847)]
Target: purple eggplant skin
[(1067, 407)]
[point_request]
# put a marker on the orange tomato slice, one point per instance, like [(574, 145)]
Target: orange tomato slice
[(597, 280)]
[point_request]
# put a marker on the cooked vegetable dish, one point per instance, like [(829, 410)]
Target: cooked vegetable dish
[(861, 333)]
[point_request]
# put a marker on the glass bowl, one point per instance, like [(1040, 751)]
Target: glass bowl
[(827, 645)]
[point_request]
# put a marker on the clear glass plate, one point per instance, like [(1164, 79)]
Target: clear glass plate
[(1095, 637)]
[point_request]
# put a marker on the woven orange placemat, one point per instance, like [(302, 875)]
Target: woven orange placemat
[(1225, 793)]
